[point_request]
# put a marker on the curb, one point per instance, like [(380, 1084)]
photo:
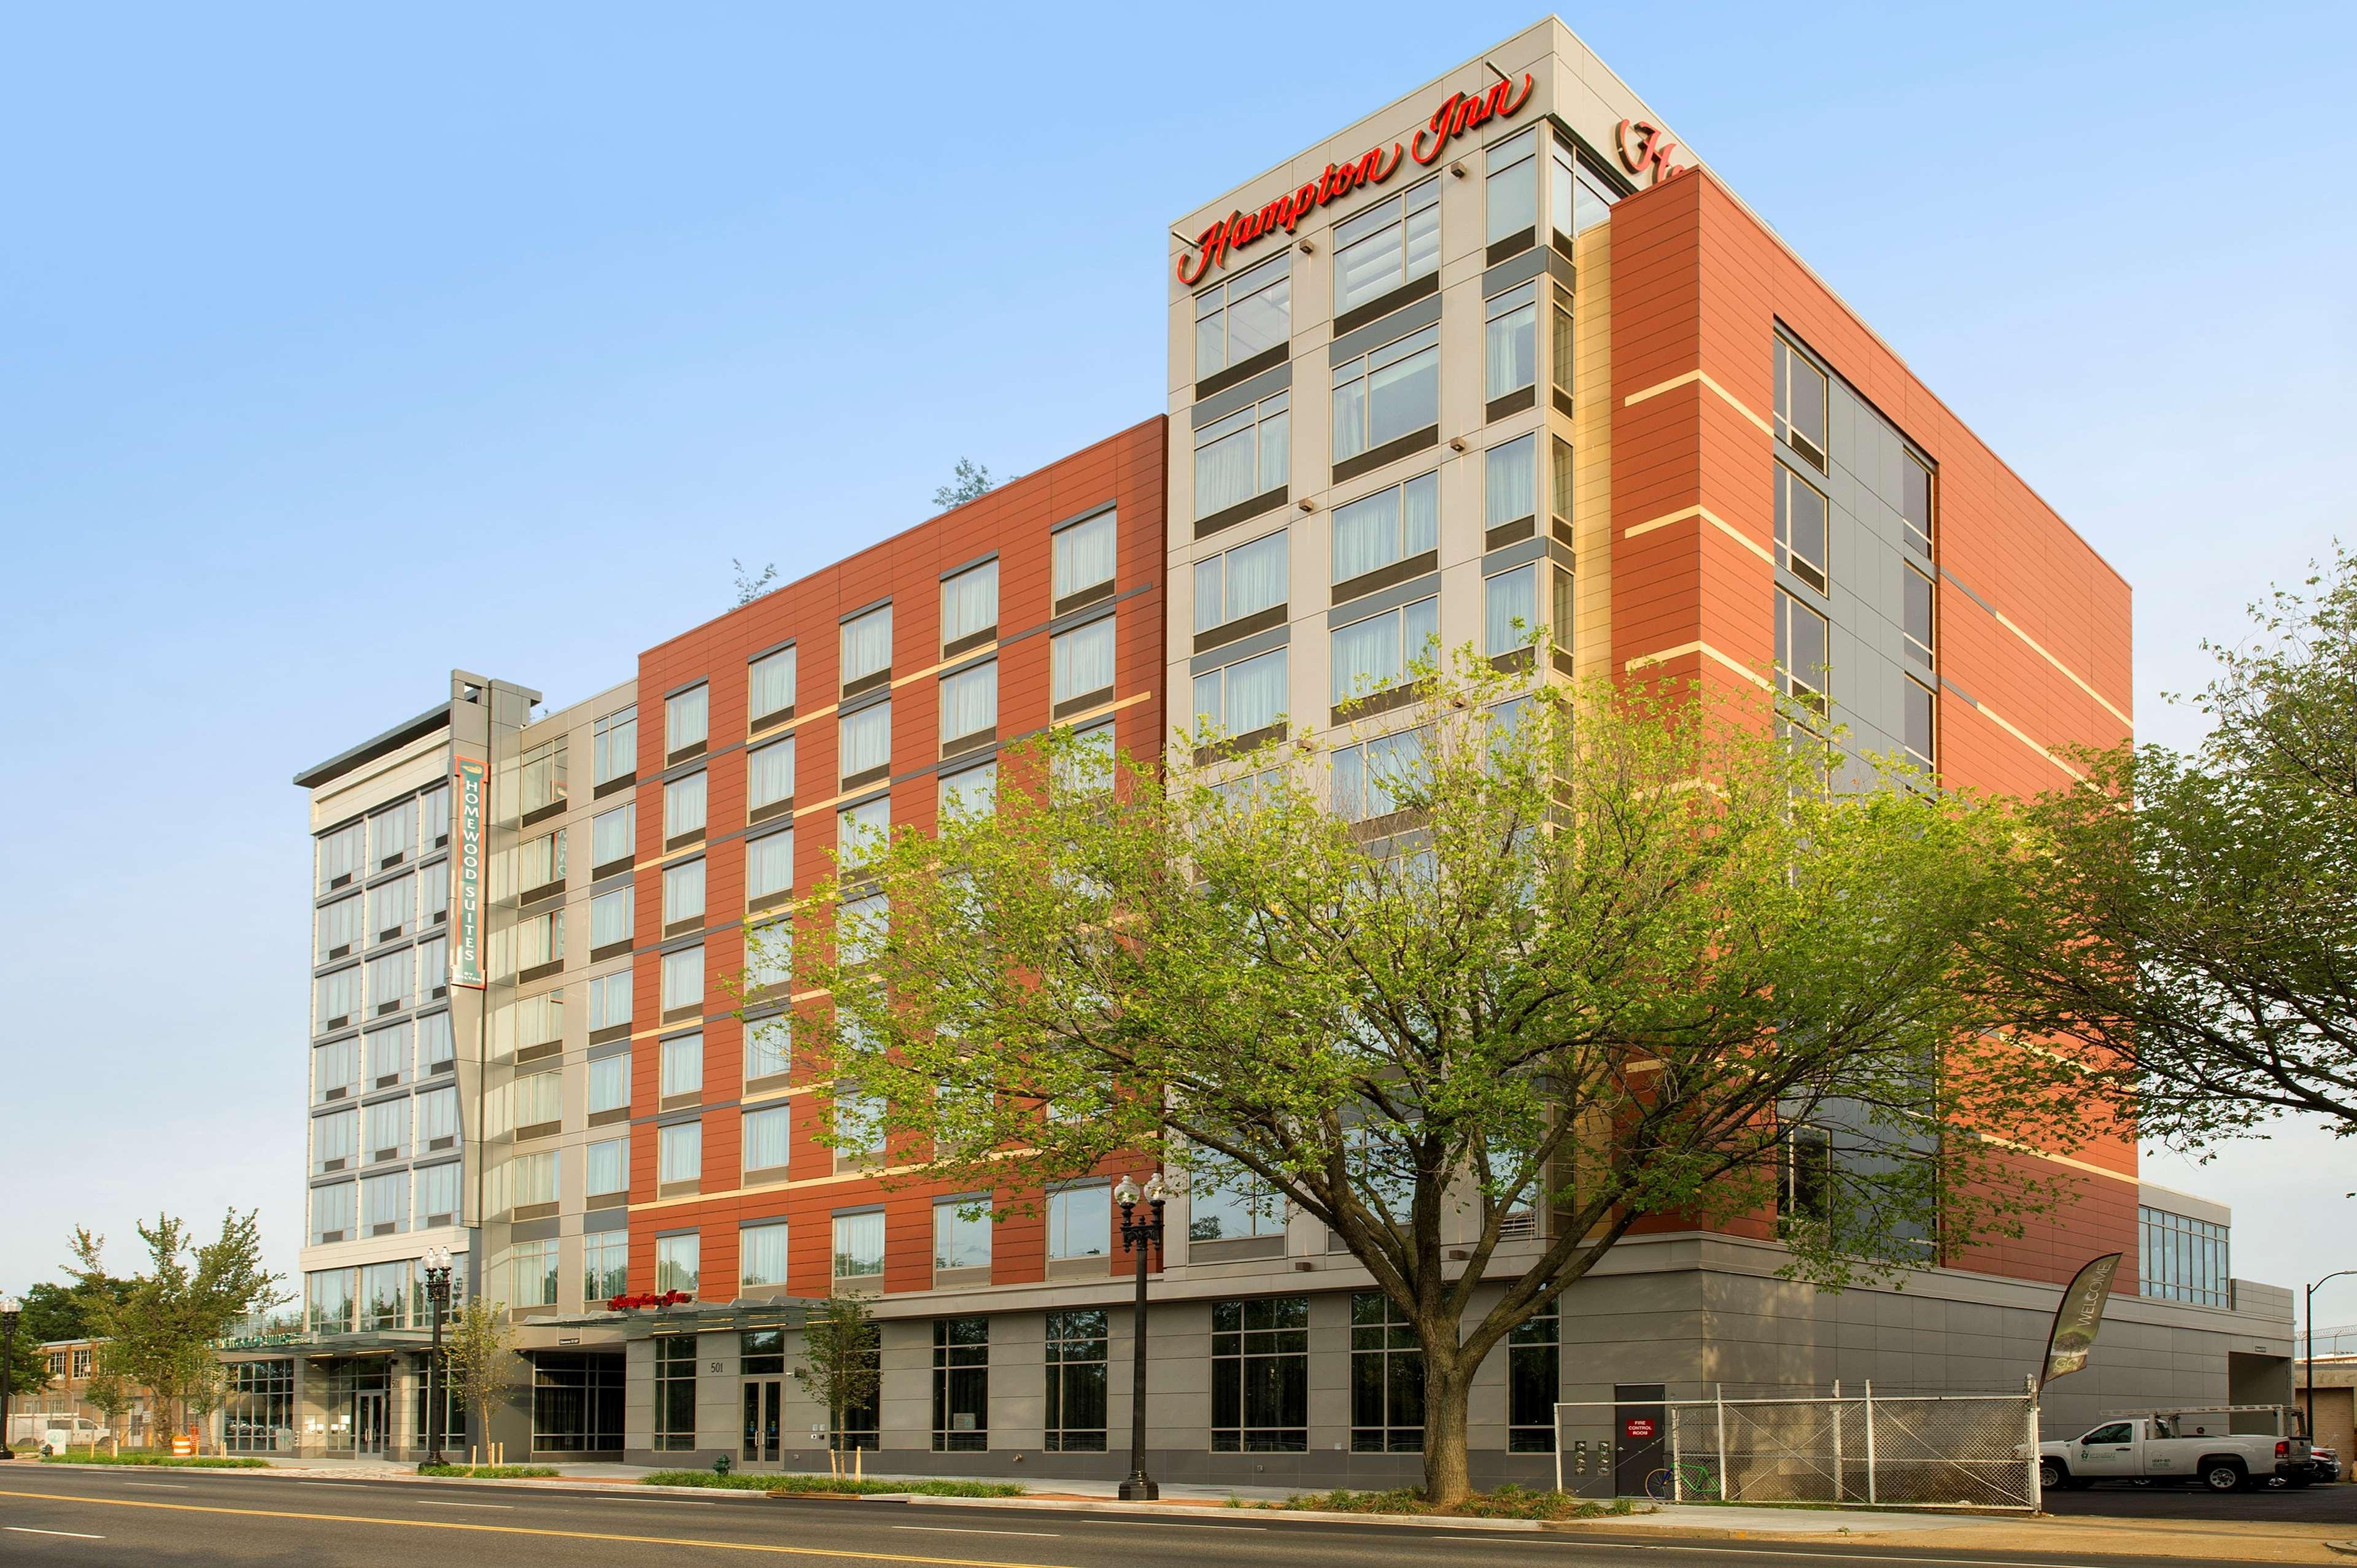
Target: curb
[(2346, 1548), (1254, 1515)]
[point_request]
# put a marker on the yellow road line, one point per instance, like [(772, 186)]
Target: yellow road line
[(521, 1530)]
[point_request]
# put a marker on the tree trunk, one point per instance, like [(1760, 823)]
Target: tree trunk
[(1447, 1391)]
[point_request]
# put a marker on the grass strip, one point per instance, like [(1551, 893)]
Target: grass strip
[(159, 1461), (489, 1472), (1507, 1502), (739, 1481)]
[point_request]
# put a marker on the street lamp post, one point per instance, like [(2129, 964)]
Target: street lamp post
[(437, 1297), (1137, 1236), (9, 1307), (2311, 1345)]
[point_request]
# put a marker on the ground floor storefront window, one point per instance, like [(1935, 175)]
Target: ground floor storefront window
[(577, 1403), (1533, 1382), (1386, 1379), (258, 1414), (675, 1392), (961, 1384), (1076, 1381), (1260, 1376)]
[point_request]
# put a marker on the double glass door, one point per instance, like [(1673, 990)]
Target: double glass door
[(762, 1399), (368, 1424)]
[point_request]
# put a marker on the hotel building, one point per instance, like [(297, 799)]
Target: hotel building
[(1502, 351)]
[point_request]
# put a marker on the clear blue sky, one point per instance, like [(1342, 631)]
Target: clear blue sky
[(341, 348)]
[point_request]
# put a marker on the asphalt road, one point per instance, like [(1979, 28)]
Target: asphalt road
[(56, 1518), (2305, 1505)]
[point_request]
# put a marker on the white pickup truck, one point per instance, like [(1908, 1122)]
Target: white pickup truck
[(2177, 1446)]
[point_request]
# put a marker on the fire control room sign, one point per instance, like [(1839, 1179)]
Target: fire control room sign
[(467, 951)]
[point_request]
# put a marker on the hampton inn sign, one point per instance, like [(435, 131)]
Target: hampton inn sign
[(1457, 113)]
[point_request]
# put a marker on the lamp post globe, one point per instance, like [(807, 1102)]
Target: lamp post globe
[(10, 1308), (437, 1295)]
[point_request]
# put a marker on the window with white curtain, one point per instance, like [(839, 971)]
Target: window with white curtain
[(859, 1245), (861, 926), (434, 894), (607, 1167), (1510, 342), (435, 1043), (1084, 554), (1371, 777), (335, 1141), (770, 863), (392, 906), (336, 1069), (434, 817), (385, 1204), (1244, 697), (536, 1284), (770, 774), (611, 917), (762, 1251), (388, 981), (679, 1152), (337, 997), (538, 1018), (340, 926), (1510, 609), (1241, 582), (1387, 393), (683, 1065), (678, 1262), (340, 854), (536, 1178), (969, 602), (1243, 316), (388, 1056), (1512, 186), (687, 720), (437, 1194), (1081, 661), (540, 861), (684, 807), (682, 892), (610, 1000), (614, 744), (540, 778), (1247, 454), (769, 1047), (1088, 766), (537, 1098), (1391, 525), (1510, 482), (862, 831), (768, 955), (393, 835), (866, 740), (769, 1138), (771, 682), (1390, 244), (388, 1131), (682, 978), (969, 702), (438, 1117), (614, 835), (540, 940), (434, 965), (1374, 653), (970, 791), (867, 645), (333, 1214), (609, 1083)]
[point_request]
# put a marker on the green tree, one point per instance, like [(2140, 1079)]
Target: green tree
[(1564, 963), (750, 587), (157, 1329), (53, 1311), (840, 1367), (28, 1368), (2193, 916), (110, 1396), (480, 1360), (970, 480)]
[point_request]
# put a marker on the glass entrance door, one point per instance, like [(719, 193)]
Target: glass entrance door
[(763, 1396), (368, 1424)]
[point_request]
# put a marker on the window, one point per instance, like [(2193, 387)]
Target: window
[(604, 1264), (961, 1240), (683, 1065), (675, 1358), (969, 793), (859, 1245), (1562, 360), (683, 892), (539, 941), (861, 926), (339, 927), (614, 745), (1533, 1381), (1260, 1376), (770, 864), (1245, 455), (337, 998), (384, 1290), (1513, 185), (437, 1120), (1804, 653), (770, 682), (1248, 314), (540, 862), (969, 703), (605, 1167), (387, 1130), (762, 1254), (1077, 1343), (1801, 528), (1084, 554), (769, 1047), (1088, 766), (336, 1070), (1561, 477), (2180, 1258), (609, 1083), (1386, 394), (434, 813), (684, 808), (332, 1212), (867, 646), (392, 834), (682, 979), (769, 956), (540, 780), (687, 721), (610, 1000), (437, 1194), (1921, 722), (1509, 610), (679, 1152), (1915, 512), (1390, 526), (434, 966), (961, 1383), (329, 1303), (1082, 660), (1579, 200), (1372, 777), (970, 604), (436, 1048), (770, 774), (535, 1021), (339, 855), (388, 981), (1800, 404), (768, 1139), (866, 741), (433, 887), (862, 831), (1079, 1222), (388, 1057), (1510, 482), (81, 1363), (1371, 654), (1390, 244), (1916, 620), (858, 1126), (1386, 1378), (1244, 698), (1243, 1205), (1510, 342), (1243, 581), (612, 916), (535, 1275), (613, 837), (536, 1102)]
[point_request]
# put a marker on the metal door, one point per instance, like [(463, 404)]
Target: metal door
[(1641, 1432), (763, 1396), (368, 1424)]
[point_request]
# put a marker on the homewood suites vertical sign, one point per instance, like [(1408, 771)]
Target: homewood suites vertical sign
[(466, 953)]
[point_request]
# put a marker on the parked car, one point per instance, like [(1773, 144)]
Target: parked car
[(2176, 1446), (2326, 1462)]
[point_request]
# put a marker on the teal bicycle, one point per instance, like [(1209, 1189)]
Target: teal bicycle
[(1664, 1486)]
